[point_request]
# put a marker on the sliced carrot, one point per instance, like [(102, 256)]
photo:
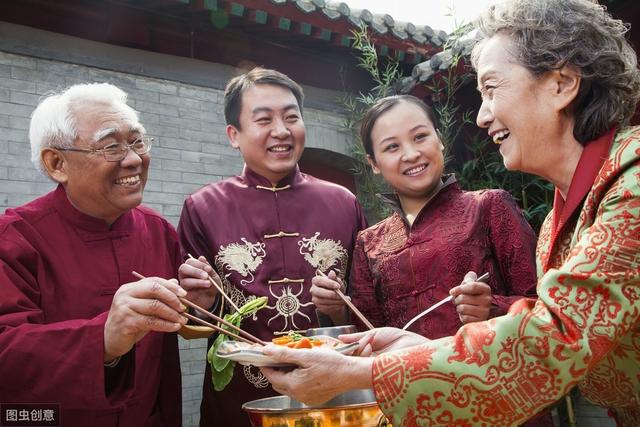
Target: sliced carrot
[(281, 340), (304, 343)]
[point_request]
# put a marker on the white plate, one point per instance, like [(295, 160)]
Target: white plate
[(250, 354)]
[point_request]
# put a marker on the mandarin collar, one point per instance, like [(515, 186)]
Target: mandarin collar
[(86, 222), (593, 156), (393, 201), (253, 179)]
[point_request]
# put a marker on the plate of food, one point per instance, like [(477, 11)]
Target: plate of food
[(251, 354)]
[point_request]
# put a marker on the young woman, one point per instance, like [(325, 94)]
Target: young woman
[(436, 234)]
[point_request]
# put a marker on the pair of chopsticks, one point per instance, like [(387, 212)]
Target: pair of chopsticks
[(482, 278), (349, 304), (219, 288), (250, 339)]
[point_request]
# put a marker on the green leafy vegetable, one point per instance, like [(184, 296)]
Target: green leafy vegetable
[(222, 369)]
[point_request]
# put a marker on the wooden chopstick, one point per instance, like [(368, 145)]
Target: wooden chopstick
[(214, 283), (252, 339), (349, 304), (221, 320)]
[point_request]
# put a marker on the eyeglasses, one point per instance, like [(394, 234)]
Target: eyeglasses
[(118, 152)]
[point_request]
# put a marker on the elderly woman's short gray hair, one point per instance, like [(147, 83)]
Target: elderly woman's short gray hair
[(53, 123), (549, 34)]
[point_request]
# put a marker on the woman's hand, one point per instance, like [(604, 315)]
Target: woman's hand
[(314, 382), (382, 340), (325, 298), (472, 299)]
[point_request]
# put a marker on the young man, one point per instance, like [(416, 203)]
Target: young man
[(267, 230), (77, 331)]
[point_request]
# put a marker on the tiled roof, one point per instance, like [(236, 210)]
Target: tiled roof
[(331, 21)]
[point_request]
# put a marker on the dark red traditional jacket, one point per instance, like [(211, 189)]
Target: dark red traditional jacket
[(267, 241), (59, 270), (399, 270)]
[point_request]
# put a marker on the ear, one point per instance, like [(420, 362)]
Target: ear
[(565, 86), (55, 165), (374, 166), (232, 134)]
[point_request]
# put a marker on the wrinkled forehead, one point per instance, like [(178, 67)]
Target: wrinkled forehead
[(494, 54), (98, 120)]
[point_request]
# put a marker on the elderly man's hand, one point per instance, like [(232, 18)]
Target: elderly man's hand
[(382, 340), (472, 299), (325, 298), (193, 278), (150, 304), (313, 382)]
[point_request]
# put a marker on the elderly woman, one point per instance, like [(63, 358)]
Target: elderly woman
[(559, 83)]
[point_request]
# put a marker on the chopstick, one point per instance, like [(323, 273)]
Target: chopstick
[(349, 304), (214, 283), (438, 304), (251, 339)]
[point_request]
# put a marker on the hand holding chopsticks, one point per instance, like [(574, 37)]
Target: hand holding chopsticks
[(186, 273), (250, 338), (485, 276), (349, 304)]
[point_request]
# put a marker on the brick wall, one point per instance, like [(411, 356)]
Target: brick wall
[(180, 104)]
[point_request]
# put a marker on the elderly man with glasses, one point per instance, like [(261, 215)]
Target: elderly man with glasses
[(78, 333)]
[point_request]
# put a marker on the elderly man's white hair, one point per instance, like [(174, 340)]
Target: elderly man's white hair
[(53, 123)]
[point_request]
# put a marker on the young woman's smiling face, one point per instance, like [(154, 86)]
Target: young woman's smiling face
[(407, 151)]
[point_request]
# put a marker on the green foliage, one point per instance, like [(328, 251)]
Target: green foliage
[(221, 368), (484, 170)]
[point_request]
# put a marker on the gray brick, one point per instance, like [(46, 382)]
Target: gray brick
[(20, 148), (196, 178), (223, 169), (26, 74), (181, 144), (15, 109), (181, 122), (164, 132), (200, 116), (5, 70), (19, 199), (4, 120), (25, 98), (194, 156), (153, 185), (56, 67), (179, 101), (5, 94), (203, 94), (17, 187), (224, 149), (213, 108), (21, 123), (147, 119), (4, 173), (191, 381), (157, 86), (163, 198), (218, 129), (160, 174), (165, 153), (4, 145), (143, 95), (155, 206), (153, 107), (13, 59), (14, 84), (24, 174), (180, 188), (47, 88), (172, 210), (194, 135), (13, 159)]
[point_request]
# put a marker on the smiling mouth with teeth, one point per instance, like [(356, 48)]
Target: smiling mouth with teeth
[(280, 149), (415, 170), (128, 180), (499, 137)]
